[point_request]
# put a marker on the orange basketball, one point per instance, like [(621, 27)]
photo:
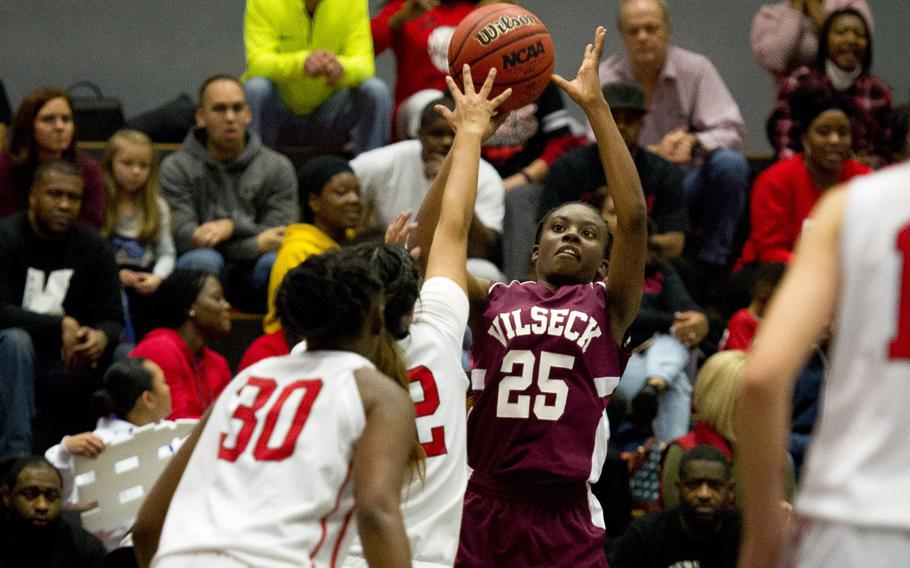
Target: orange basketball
[(511, 39)]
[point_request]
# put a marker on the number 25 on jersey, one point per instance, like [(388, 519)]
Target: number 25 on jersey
[(550, 402)]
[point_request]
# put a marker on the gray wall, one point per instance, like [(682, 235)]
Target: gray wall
[(146, 52)]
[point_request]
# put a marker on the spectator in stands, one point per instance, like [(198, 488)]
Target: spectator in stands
[(579, 175), (418, 33), (744, 323), (134, 394), (713, 401), (190, 311), (230, 196), (60, 312), (137, 222), (703, 530), (668, 327), (396, 178), (32, 531), (330, 209), (693, 122), (785, 34), (842, 71), (309, 76), (42, 131), (785, 193)]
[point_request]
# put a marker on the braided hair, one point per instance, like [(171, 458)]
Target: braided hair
[(327, 296), (401, 280)]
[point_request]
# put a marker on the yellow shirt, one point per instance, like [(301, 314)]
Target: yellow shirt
[(301, 241), (279, 35)]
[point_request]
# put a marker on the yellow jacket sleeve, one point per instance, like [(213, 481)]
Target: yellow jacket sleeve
[(261, 36), (356, 56)]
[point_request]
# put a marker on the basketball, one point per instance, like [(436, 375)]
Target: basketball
[(511, 39)]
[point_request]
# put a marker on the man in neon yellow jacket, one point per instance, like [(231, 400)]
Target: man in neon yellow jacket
[(309, 77)]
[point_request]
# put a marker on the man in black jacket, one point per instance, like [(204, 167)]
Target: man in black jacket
[(702, 532), (32, 530), (60, 313)]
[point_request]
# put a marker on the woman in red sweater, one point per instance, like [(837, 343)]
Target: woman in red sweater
[(190, 311), (785, 193)]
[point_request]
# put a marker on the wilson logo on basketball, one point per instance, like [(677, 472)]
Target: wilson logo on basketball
[(503, 26), (522, 55)]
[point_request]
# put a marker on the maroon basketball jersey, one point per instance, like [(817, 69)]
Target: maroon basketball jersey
[(545, 364)]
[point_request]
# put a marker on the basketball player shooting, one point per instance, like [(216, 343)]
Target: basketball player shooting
[(546, 356), (853, 506)]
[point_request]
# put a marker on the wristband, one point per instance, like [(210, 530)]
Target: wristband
[(524, 174)]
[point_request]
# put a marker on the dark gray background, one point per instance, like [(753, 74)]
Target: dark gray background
[(146, 52)]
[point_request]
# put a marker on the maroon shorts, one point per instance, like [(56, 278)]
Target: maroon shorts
[(524, 526)]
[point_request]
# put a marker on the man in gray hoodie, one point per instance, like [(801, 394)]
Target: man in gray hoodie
[(230, 196)]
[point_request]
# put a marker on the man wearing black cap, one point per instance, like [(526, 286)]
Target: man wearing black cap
[(578, 175)]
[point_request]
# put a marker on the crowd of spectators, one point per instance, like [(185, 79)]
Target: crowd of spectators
[(123, 258)]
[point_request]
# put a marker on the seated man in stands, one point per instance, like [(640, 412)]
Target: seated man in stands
[(32, 531), (396, 178), (693, 122), (702, 531), (60, 312), (309, 75), (230, 196)]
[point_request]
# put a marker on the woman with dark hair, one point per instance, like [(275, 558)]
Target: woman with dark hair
[(134, 394), (298, 446), (189, 311), (785, 193), (842, 71), (785, 34), (330, 209), (42, 131)]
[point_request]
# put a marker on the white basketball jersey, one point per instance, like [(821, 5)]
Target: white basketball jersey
[(432, 508), (858, 468), (270, 481)]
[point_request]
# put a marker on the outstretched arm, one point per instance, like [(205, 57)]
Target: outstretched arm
[(627, 259), (471, 119), (801, 309)]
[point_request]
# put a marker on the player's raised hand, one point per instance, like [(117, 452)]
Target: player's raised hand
[(585, 88), (474, 109)]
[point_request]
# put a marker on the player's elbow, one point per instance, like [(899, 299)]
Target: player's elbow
[(377, 516), (756, 383)]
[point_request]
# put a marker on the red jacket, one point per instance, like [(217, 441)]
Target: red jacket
[(195, 379), (782, 198)]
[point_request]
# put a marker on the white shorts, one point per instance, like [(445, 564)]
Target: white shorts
[(199, 560), (819, 543)]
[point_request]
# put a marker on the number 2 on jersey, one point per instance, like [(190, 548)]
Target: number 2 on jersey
[(427, 407), (520, 407), (263, 451)]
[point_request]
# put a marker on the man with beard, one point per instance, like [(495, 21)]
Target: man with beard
[(60, 314), (33, 532), (702, 532)]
